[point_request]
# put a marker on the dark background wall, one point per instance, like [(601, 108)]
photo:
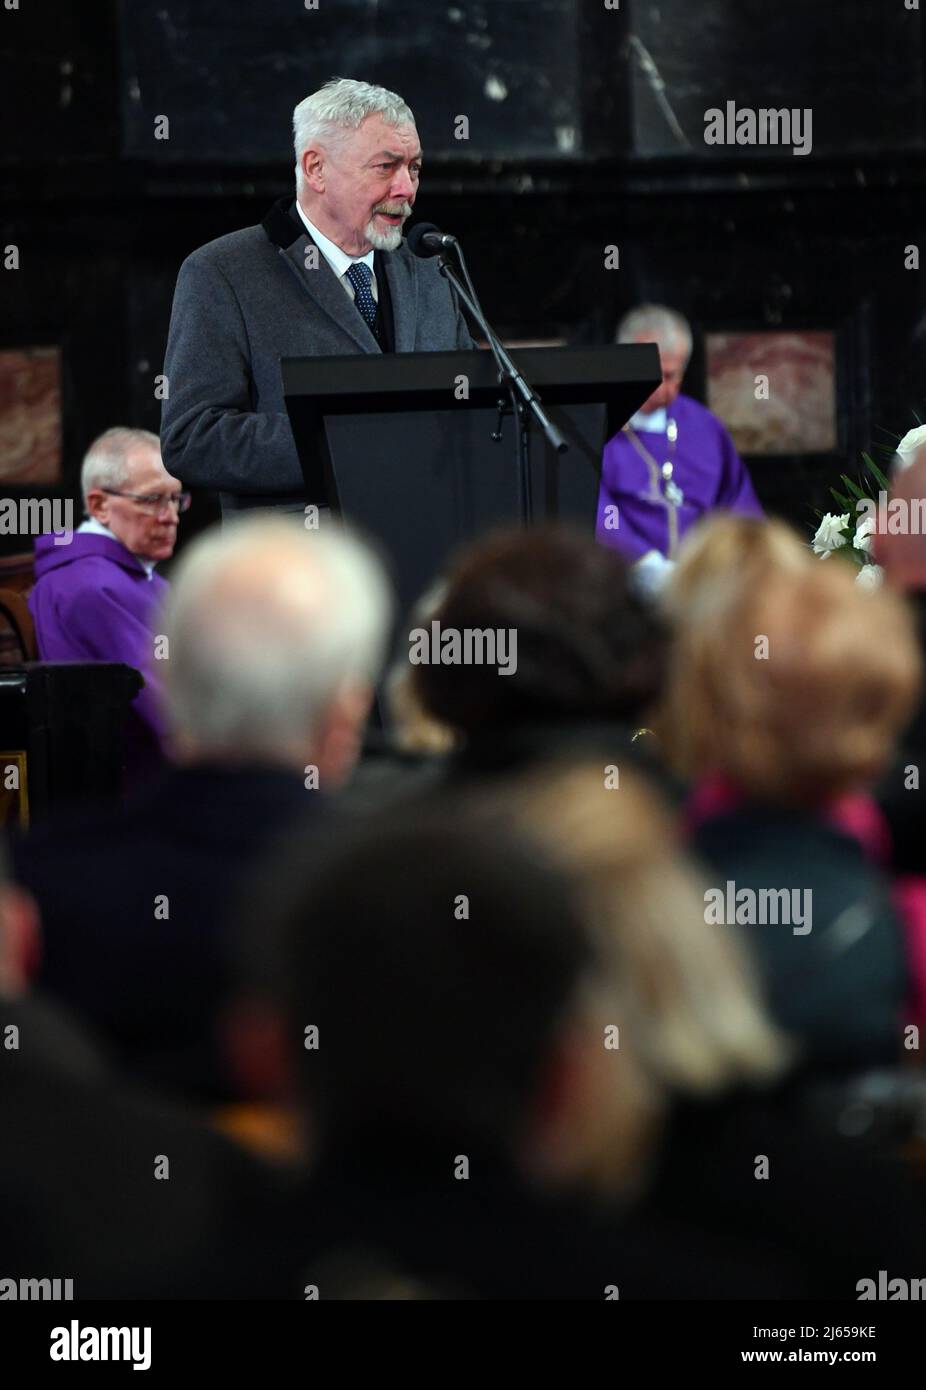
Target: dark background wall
[(586, 130)]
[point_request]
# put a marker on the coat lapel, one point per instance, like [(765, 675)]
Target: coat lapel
[(403, 290), (284, 228), (322, 286)]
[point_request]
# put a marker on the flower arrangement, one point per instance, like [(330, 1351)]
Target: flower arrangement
[(848, 532)]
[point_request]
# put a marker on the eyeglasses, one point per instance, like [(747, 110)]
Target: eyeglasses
[(155, 502)]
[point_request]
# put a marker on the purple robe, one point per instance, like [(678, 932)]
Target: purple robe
[(93, 601), (705, 466)]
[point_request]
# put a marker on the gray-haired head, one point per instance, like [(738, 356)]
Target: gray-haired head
[(107, 462), (269, 627), (655, 323), (342, 105)]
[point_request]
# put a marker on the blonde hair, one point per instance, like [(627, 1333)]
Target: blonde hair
[(726, 549), (784, 675), (680, 991), (414, 728)]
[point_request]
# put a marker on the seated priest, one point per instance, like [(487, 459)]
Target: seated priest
[(673, 461), (98, 598)]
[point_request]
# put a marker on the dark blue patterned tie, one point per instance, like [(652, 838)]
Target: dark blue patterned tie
[(360, 276)]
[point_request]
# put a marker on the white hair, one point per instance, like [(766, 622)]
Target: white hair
[(267, 623), (341, 105), (106, 462), (657, 324)]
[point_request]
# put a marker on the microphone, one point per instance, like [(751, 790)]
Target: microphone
[(425, 239)]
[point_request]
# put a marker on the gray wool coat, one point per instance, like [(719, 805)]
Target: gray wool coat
[(241, 304)]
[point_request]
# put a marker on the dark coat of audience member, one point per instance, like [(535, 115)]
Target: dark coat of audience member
[(437, 1039), (134, 910), (101, 1185), (787, 1174), (837, 981)]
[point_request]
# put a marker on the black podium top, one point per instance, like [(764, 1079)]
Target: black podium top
[(623, 376)]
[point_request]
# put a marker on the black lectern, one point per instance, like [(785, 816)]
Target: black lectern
[(402, 444)]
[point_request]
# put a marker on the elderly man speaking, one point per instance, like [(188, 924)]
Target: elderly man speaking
[(326, 274), (97, 599)]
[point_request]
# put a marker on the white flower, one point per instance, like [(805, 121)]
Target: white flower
[(830, 535), (863, 534), (869, 577), (909, 447)]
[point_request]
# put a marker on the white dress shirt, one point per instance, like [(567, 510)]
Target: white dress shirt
[(339, 260), (656, 422)]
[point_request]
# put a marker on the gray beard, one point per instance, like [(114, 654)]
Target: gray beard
[(390, 240)]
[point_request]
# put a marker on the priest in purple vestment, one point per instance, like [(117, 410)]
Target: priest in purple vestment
[(673, 461), (97, 598)]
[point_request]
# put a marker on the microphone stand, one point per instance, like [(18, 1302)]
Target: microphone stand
[(524, 400)]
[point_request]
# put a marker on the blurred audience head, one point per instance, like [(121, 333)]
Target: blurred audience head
[(900, 541), (785, 677), (276, 636), (126, 488), (725, 549), (654, 323), (458, 996), (588, 646), (414, 730), (682, 993)]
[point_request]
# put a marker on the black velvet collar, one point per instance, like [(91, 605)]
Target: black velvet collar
[(280, 225), (283, 226)]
